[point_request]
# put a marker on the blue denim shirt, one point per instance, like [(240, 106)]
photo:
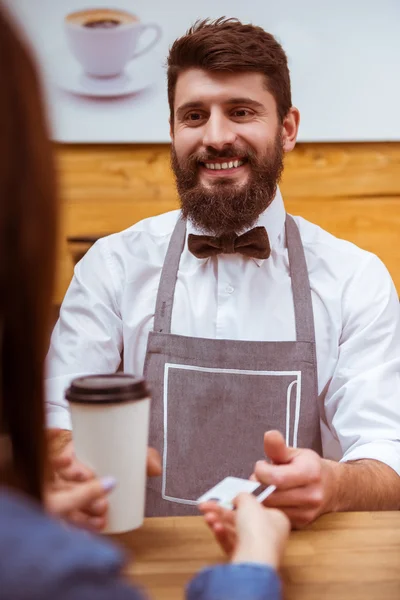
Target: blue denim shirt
[(40, 559)]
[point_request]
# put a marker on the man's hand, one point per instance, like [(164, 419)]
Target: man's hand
[(251, 533), (309, 486), (154, 468), (305, 482), (304, 488)]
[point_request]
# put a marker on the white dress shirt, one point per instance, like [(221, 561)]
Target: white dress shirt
[(109, 308)]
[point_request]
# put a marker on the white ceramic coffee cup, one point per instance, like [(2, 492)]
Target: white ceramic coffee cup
[(110, 425), (105, 52)]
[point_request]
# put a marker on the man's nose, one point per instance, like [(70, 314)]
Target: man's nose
[(218, 133)]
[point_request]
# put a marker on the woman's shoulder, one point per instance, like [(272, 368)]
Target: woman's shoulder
[(42, 558)]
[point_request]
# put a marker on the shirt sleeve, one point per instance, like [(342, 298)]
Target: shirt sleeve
[(92, 590), (42, 559), (87, 338), (235, 582), (362, 403)]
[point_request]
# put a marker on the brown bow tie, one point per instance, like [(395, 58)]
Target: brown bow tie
[(254, 243)]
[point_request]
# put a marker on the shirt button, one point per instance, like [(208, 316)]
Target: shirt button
[(229, 289)]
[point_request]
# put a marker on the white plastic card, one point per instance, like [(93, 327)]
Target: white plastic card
[(226, 491)]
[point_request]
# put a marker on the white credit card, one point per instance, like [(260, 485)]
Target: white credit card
[(226, 491)]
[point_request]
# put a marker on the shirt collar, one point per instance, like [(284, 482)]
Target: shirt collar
[(273, 219)]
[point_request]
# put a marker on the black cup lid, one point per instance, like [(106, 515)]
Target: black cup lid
[(113, 388)]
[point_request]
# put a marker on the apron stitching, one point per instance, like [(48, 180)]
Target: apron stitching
[(297, 413), (165, 448), (288, 400), (179, 500), (229, 371)]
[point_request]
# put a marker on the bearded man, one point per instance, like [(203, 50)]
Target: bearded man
[(243, 319)]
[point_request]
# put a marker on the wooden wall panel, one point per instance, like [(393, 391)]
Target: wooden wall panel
[(352, 190)]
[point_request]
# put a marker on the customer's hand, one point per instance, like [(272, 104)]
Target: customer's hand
[(69, 468), (63, 463), (251, 533), (69, 473), (74, 470), (82, 503)]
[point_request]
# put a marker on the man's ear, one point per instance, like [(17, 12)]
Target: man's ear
[(290, 129), (171, 130)]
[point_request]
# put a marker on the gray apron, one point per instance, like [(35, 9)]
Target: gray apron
[(214, 399)]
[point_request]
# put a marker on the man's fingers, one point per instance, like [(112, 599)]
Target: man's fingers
[(305, 469), (154, 467), (275, 448), (299, 498), (283, 476), (298, 518)]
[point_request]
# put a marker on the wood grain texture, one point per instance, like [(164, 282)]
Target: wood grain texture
[(351, 190), (346, 556)]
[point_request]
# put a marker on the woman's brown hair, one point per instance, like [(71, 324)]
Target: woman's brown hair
[(28, 216), (229, 46)]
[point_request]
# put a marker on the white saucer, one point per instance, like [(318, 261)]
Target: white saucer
[(136, 77)]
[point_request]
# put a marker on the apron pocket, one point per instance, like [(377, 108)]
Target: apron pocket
[(214, 423)]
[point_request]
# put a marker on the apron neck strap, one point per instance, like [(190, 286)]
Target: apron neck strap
[(169, 273), (303, 311)]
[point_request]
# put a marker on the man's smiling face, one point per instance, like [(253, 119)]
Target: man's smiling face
[(221, 116), (227, 148)]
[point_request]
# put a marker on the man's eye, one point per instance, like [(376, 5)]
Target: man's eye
[(193, 117), (241, 112)]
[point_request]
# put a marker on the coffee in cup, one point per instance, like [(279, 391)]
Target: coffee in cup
[(104, 40), (101, 18), (110, 425)]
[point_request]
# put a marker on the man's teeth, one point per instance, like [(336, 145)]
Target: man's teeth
[(225, 165)]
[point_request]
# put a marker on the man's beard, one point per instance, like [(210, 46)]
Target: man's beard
[(224, 206)]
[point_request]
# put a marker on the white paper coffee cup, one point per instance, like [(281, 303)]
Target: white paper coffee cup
[(110, 428)]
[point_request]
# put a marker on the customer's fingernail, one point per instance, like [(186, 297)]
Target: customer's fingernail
[(108, 483)]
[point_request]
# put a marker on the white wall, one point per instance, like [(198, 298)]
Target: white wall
[(344, 58)]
